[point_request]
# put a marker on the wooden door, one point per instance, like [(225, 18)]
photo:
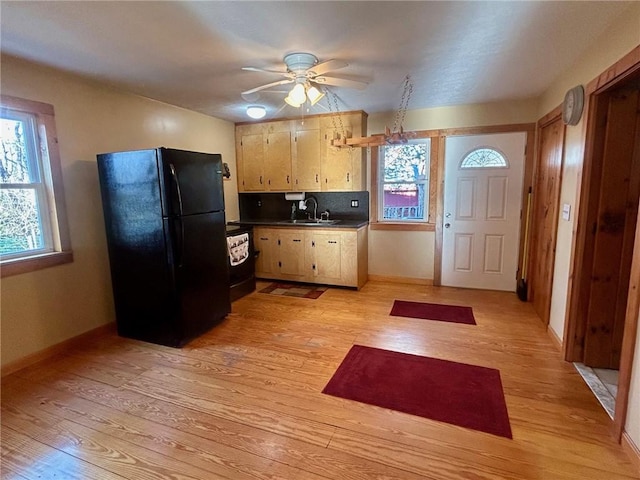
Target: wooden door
[(617, 212), (278, 161), (336, 163), (253, 162), (325, 257), (482, 196), (307, 164), (544, 218), (291, 253), (265, 241)]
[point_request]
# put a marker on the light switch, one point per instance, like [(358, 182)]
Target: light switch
[(566, 211)]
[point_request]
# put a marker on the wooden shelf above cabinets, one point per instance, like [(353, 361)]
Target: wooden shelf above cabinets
[(298, 155)]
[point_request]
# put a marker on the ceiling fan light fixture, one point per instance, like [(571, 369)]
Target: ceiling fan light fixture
[(314, 95), (256, 111), (298, 94), (292, 102)]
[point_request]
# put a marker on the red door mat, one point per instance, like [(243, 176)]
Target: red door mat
[(295, 290), (456, 393), (433, 311)]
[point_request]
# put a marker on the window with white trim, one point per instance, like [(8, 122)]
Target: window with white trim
[(32, 217), (404, 182)]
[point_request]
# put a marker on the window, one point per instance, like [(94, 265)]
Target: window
[(404, 182), (484, 158), (33, 230)]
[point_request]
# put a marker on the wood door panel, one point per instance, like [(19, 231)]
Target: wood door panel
[(544, 220), (615, 230), (307, 174), (253, 162), (278, 161)]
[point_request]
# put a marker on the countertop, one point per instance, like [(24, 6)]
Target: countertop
[(282, 223)]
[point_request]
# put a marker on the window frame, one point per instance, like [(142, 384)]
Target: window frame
[(377, 188), (54, 212)]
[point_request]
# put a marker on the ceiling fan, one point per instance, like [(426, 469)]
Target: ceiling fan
[(304, 71)]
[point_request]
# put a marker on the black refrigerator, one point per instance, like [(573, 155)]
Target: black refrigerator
[(165, 226)]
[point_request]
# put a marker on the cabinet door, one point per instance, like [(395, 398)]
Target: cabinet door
[(291, 253), (336, 164), (278, 161), (265, 241), (326, 255), (307, 167), (253, 162)]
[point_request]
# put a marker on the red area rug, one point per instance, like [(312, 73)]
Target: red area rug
[(464, 395), (294, 290), (433, 311)]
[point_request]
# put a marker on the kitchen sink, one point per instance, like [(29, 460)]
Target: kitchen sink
[(312, 223)]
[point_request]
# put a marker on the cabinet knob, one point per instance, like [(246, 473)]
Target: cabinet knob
[(287, 178), (260, 179)]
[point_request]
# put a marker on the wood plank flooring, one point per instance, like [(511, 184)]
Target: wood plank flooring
[(243, 401)]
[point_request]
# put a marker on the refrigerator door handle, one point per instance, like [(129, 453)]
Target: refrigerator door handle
[(172, 168)]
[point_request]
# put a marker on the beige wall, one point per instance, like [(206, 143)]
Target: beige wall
[(618, 40), (411, 254), (43, 308)]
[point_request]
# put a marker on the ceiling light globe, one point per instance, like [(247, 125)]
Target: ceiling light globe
[(314, 95), (292, 102), (298, 94), (256, 111)]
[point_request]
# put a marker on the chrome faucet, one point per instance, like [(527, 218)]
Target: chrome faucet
[(315, 208)]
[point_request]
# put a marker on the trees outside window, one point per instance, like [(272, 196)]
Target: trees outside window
[(404, 182)]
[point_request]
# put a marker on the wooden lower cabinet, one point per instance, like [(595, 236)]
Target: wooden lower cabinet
[(327, 256)]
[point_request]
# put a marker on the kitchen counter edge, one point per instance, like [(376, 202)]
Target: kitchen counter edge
[(278, 223)]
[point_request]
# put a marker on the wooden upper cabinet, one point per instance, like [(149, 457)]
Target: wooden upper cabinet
[(306, 157), (343, 168), (297, 154), (278, 161), (252, 148)]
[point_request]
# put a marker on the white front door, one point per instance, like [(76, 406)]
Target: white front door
[(481, 224)]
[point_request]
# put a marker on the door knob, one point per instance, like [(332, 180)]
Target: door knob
[(447, 225)]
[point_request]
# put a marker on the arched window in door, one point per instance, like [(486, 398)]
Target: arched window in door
[(484, 157)]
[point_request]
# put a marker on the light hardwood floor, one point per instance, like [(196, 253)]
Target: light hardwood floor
[(244, 401)]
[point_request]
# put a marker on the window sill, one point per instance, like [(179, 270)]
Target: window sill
[(403, 226), (36, 262)]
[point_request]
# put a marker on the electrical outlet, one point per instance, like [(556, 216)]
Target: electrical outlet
[(355, 203), (259, 203)]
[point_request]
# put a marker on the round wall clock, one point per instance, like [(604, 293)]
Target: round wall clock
[(572, 105)]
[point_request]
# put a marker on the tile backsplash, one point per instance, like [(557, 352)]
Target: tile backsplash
[(273, 206)]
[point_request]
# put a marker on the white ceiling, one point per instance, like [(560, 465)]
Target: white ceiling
[(191, 53)]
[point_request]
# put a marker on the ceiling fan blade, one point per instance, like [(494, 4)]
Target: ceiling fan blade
[(256, 69), (340, 82), (268, 85), (328, 66)]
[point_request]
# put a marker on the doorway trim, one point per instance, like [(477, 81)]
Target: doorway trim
[(530, 130), (575, 321)]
